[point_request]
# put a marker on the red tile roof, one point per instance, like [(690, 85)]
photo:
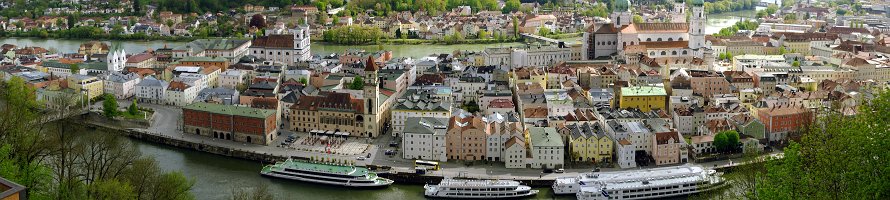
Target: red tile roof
[(274, 41)]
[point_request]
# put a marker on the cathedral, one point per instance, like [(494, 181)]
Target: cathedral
[(679, 43)]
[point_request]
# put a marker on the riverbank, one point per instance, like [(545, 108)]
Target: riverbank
[(425, 42), (42, 34)]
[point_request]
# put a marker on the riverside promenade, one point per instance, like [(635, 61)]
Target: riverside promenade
[(164, 129)]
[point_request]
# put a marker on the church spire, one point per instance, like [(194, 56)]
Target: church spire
[(370, 65)]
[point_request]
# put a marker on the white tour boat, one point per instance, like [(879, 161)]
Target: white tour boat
[(640, 184), (351, 176), (478, 189)]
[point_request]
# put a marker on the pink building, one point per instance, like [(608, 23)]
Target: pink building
[(466, 137), (666, 147)]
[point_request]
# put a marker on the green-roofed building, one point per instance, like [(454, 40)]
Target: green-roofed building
[(57, 68), (229, 49), (645, 98), (546, 146), (230, 122)]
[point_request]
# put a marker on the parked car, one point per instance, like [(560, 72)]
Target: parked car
[(560, 170), (547, 171), (360, 158), (393, 144)]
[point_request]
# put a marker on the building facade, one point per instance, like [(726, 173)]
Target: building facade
[(227, 122), (424, 139)]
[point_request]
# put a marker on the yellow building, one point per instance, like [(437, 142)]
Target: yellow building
[(93, 47), (588, 142), (644, 98), (525, 75), (88, 84)]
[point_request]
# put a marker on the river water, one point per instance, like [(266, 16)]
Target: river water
[(714, 24), (216, 176)]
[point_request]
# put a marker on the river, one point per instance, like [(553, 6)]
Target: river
[(215, 176), (714, 24)]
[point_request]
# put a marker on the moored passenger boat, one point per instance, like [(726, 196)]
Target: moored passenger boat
[(478, 189), (640, 184), (351, 176)]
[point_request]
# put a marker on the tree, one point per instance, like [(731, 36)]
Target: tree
[(482, 34), (261, 192), (511, 6), (544, 31), (840, 12), (721, 141), (357, 83), (795, 64), (761, 14), (471, 107), (837, 157), (790, 17), (75, 69), (133, 109), (137, 6), (782, 50), (304, 81), (637, 19), (109, 106), (515, 27), (726, 141)]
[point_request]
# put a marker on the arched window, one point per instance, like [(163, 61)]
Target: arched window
[(659, 39), (648, 39), (684, 52), (680, 39), (652, 53), (670, 39), (674, 53), (664, 53)]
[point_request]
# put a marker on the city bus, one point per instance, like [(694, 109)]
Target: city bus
[(429, 165)]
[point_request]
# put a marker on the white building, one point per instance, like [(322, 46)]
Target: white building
[(180, 93), (417, 103), (626, 154), (559, 103), (230, 49), (532, 55), (501, 132), (151, 90), (470, 88), (424, 139), (547, 148), (122, 86), (515, 154), (232, 78), (287, 48), (116, 60), (635, 132)]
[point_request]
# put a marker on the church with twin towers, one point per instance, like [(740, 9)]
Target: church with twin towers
[(678, 42)]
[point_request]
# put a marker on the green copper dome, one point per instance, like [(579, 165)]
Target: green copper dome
[(621, 6), (698, 2)]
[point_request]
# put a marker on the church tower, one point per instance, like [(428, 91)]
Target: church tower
[(370, 93), (678, 15), (697, 25), (621, 13)]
